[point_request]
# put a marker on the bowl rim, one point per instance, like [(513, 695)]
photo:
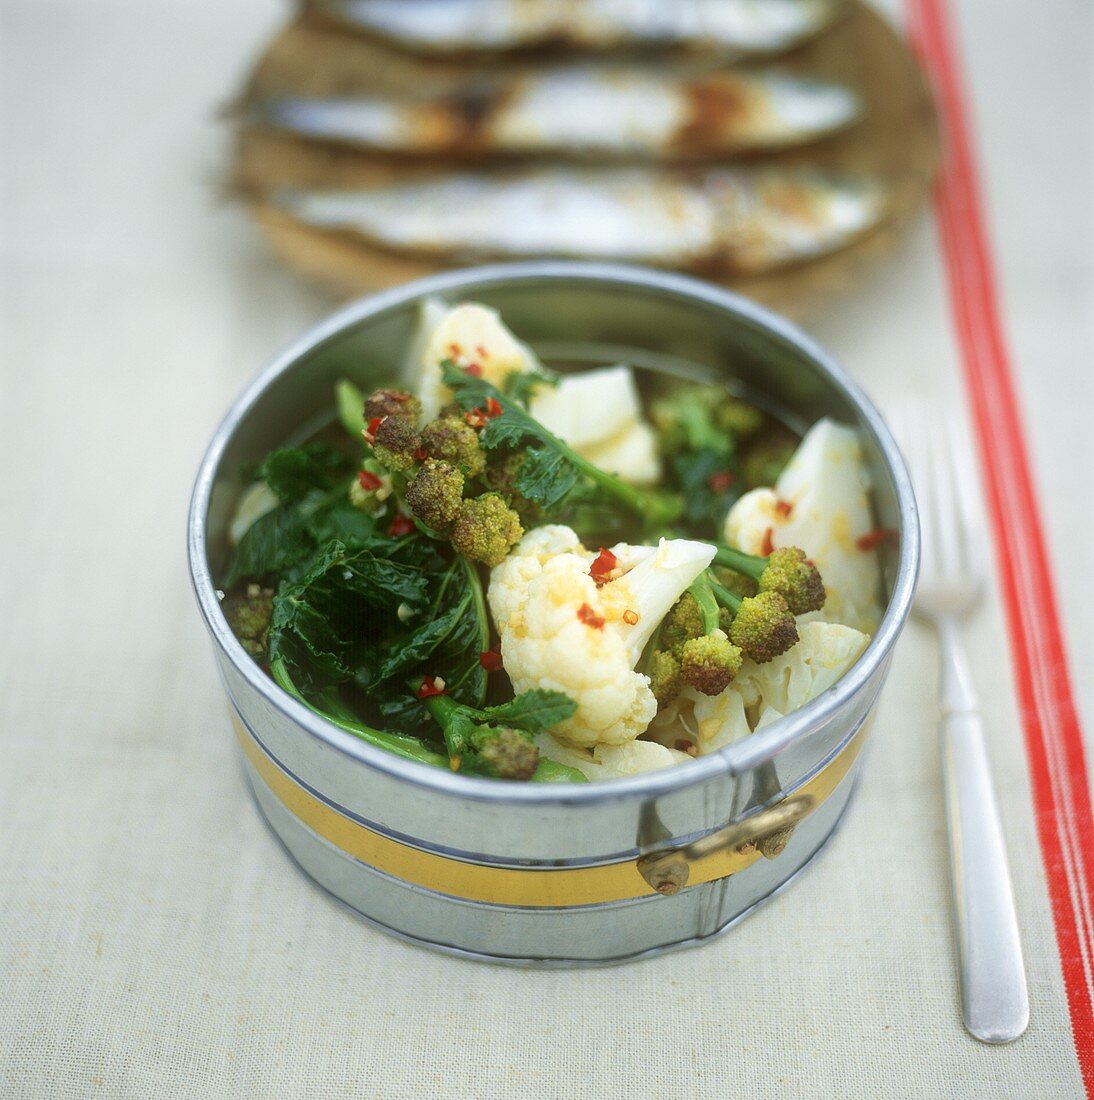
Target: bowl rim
[(733, 759)]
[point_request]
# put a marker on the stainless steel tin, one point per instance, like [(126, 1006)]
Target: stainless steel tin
[(547, 874)]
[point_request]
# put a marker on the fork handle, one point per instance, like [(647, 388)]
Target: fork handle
[(995, 1002)]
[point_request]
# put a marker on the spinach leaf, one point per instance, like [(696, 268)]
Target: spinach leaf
[(275, 543), (282, 542), (534, 711), (293, 472), (338, 519), (324, 625), (710, 483), (521, 386), (448, 644), (545, 476)]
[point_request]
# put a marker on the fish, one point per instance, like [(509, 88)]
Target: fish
[(587, 111), (445, 26), (716, 221)]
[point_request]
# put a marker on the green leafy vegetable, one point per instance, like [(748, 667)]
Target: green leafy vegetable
[(498, 740), (275, 543), (325, 624), (351, 407), (293, 472), (449, 640), (521, 386), (551, 468), (535, 711)]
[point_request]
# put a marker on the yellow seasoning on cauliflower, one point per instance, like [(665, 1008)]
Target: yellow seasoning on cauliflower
[(562, 631)]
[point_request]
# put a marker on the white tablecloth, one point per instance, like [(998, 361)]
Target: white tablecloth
[(154, 940)]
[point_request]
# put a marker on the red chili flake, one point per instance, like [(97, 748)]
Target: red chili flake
[(589, 617), (368, 480), (370, 431), (784, 508), (455, 350), (490, 660), (429, 688), (767, 548), (401, 524), (721, 481), (475, 417), (473, 369), (605, 562), (493, 407), (421, 455), (873, 539), (630, 617), (481, 352)]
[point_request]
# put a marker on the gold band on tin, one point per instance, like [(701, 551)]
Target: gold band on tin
[(544, 888)]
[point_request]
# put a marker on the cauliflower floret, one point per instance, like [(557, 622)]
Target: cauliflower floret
[(557, 640), (560, 631), (708, 722), (589, 407), (467, 334), (630, 454), (823, 654), (598, 412), (611, 761), (509, 581), (826, 485)]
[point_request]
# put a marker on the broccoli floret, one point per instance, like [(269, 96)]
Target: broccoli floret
[(709, 663), (786, 571), (485, 529), (435, 493), (454, 440), (762, 626), (395, 442), (507, 753), (395, 403), (795, 578), (501, 475), (683, 622), (249, 614), (498, 740), (666, 681)]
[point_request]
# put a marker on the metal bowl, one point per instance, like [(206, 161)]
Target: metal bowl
[(550, 874)]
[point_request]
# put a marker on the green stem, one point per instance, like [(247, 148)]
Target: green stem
[(703, 591), (726, 598), (402, 744), (740, 562), (657, 509), (443, 708)]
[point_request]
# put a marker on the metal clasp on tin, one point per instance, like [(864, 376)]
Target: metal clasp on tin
[(767, 832)]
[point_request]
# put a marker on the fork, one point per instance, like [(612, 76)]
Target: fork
[(995, 1002)]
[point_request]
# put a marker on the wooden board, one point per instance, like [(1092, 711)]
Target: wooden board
[(896, 141)]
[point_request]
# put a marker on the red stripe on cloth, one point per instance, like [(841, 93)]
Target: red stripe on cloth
[(1054, 746)]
